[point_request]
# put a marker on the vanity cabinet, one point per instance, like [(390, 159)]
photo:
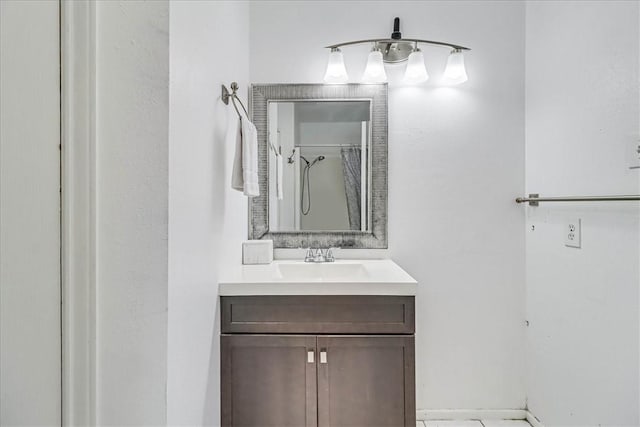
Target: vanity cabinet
[(324, 361), (267, 381)]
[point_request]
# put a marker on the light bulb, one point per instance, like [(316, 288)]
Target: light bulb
[(374, 72), (455, 72), (336, 71), (416, 72)]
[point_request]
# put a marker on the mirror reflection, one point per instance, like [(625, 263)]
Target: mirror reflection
[(320, 182)]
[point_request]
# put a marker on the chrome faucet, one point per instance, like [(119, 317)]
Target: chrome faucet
[(320, 255)]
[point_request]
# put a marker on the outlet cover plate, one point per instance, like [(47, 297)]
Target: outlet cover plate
[(573, 233)]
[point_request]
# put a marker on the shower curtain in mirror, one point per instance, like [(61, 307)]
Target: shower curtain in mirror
[(351, 164)]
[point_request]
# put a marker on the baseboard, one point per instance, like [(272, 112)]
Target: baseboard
[(478, 414), (533, 420), (473, 414)]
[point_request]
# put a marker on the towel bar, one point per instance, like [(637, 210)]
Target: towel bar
[(535, 199)]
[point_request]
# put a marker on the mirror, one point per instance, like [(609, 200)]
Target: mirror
[(322, 165), (323, 184)]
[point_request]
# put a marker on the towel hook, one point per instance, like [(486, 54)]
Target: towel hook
[(233, 96)]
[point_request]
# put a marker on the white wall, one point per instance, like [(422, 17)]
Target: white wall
[(207, 220), (456, 158), (29, 213), (582, 125), (132, 137)]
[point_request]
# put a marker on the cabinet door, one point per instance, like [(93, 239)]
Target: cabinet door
[(366, 381), (268, 380)]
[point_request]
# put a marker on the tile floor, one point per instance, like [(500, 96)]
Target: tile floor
[(474, 423)]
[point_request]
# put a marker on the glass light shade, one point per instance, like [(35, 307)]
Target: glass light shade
[(336, 71), (416, 72), (374, 72), (455, 73)]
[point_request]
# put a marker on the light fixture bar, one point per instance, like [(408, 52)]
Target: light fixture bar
[(390, 41), (395, 50)]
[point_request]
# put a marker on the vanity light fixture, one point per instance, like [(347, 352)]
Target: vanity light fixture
[(455, 73), (395, 50), (416, 72), (374, 71), (336, 71)]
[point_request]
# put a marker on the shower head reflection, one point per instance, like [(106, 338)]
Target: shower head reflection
[(313, 162)]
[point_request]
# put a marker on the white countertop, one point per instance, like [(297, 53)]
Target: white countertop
[(342, 277)]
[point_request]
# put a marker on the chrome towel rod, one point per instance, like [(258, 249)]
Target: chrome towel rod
[(226, 95), (535, 199)]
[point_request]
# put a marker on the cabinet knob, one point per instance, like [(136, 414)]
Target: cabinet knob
[(310, 356), (323, 355)]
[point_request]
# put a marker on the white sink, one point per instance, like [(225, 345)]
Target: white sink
[(323, 272), (342, 277)]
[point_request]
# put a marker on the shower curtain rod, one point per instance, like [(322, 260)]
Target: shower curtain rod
[(326, 145), (534, 199)]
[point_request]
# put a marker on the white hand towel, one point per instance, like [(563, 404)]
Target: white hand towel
[(250, 158), (244, 176), (279, 171), (237, 182)]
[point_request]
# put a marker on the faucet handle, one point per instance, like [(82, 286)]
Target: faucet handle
[(309, 256), (329, 257)]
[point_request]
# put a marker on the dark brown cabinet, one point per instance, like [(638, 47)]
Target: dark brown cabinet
[(319, 378), (267, 380), (366, 381)]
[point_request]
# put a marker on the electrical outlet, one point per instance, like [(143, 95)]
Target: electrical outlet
[(573, 233)]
